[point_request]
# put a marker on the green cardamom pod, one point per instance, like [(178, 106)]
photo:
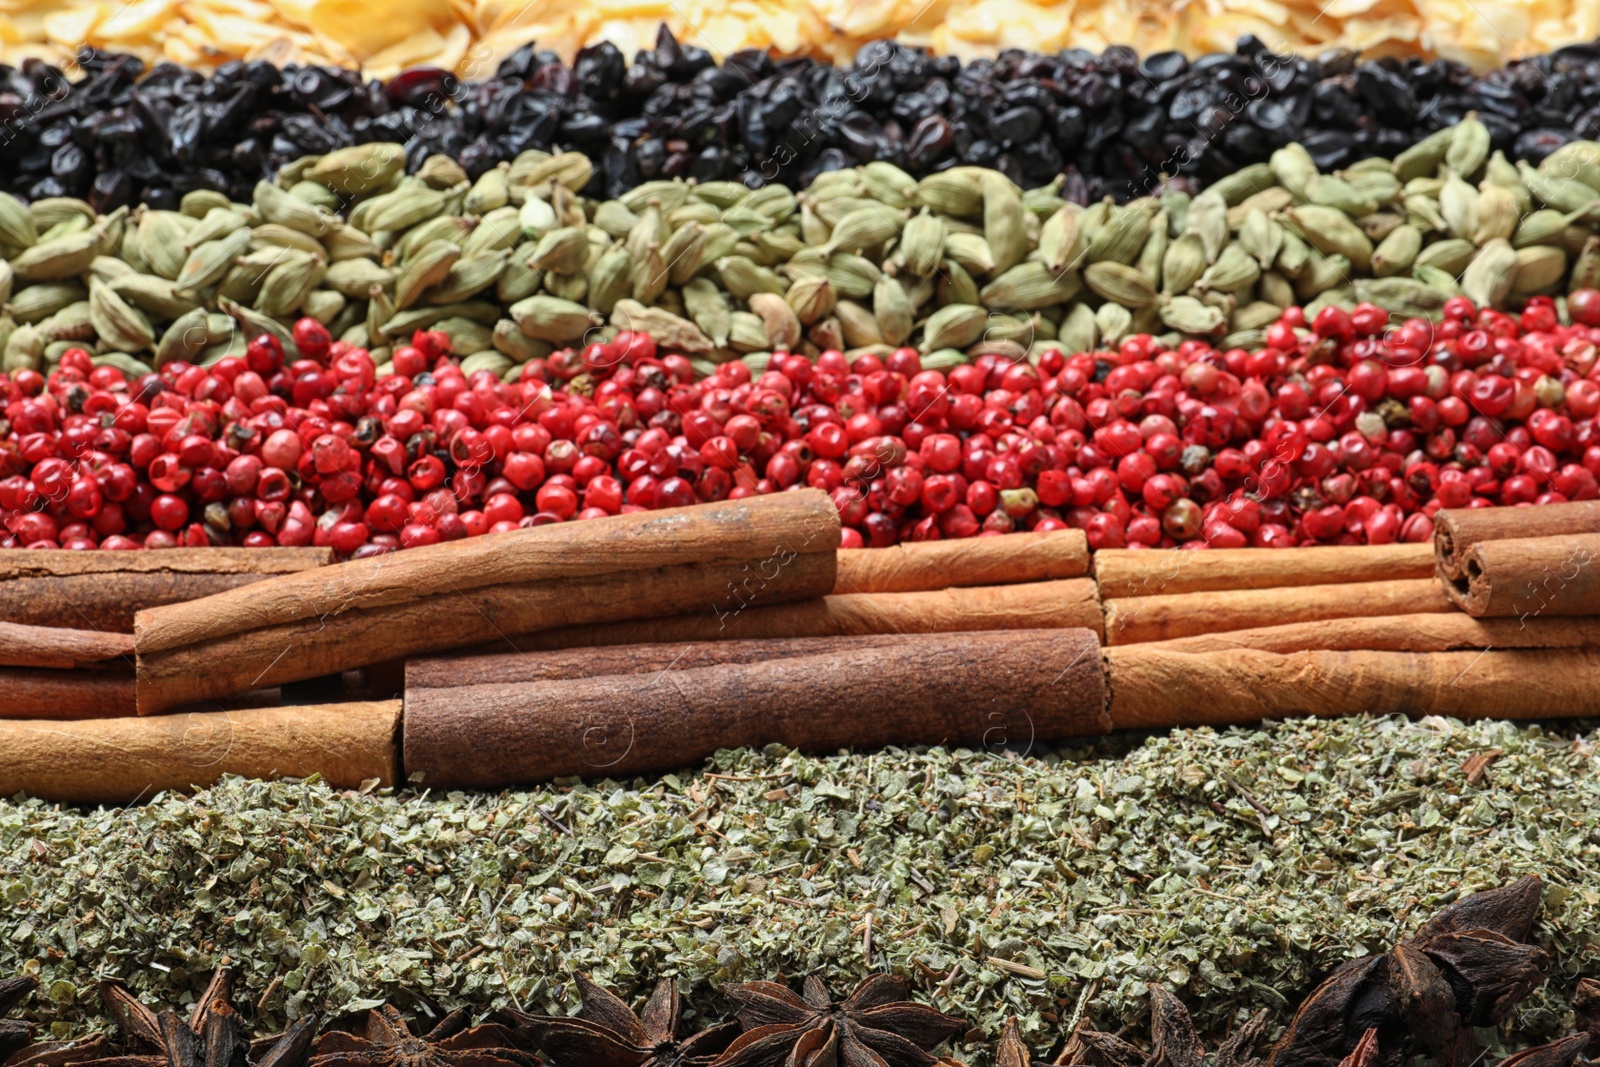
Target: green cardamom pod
[(1458, 204), (1183, 264), (1234, 271), (1261, 237), (888, 184), (953, 326), (1208, 220), (277, 205), (1397, 253), (669, 330), (1539, 269), (1004, 226), (610, 280), (812, 299), (922, 244), (1189, 316), (430, 267), (1243, 182), (893, 310), (1450, 256), (491, 192), (1113, 321), (466, 278), (1293, 168), (1331, 232), (360, 169), (1030, 287), (1120, 284), (1078, 331), (956, 193), (548, 318), (1488, 278), (116, 322), (956, 286), (1424, 157), (781, 325), (1469, 148)]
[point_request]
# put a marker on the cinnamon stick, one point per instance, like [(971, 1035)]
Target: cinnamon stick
[(62, 649), (103, 590), (713, 559), (453, 670), (1398, 633), (999, 689), (1455, 530), (1155, 687), (917, 566), (122, 760), (30, 693), (1526, 577), (1124, 572), (1157, 618), (1065, 604)]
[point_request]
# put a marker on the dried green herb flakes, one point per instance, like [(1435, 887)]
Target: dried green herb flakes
[(1233, 867)]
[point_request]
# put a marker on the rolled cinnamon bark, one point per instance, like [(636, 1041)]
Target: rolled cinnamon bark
[(999, 689), (103, 590), (1155, 687), (714, 559), (30, 693), (1124, 572), (1526, 577), (123, 760), (1157, 618), (1455, 530), (58, 648), (1398, 633), (1066, 604), (918, 566), (452, 670)]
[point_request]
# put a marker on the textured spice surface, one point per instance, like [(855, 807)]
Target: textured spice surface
[(1233, 867)]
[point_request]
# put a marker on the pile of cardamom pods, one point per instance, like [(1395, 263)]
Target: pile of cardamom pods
[(517, 264)]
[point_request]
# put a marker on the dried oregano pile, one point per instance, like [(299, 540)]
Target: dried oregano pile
[(1232, 868)]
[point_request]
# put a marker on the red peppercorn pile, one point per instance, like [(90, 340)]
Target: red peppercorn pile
[(1344, 430)]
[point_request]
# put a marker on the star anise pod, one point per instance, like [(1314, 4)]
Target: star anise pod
[(213, 1035), (17, 1047), (1012, 1051), (1466, 967), (875, 1026), (14, 1033), (386, 1041), (1586, 1003), (1173, 1041), (1507, 910), (1365, 1054), (606, 1032), (1563, 1053)]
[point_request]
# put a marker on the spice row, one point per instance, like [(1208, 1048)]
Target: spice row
[(755, 582), (1116, 123), (1146, 372), (1467, 966)]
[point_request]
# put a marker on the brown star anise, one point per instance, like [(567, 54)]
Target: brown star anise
[(606, 1032), (875, 1026), (213, 1035), (17, 1048), (14, 1033), (1466, 967), (386, 1041), (1173, 1041), (1365, 1054)]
